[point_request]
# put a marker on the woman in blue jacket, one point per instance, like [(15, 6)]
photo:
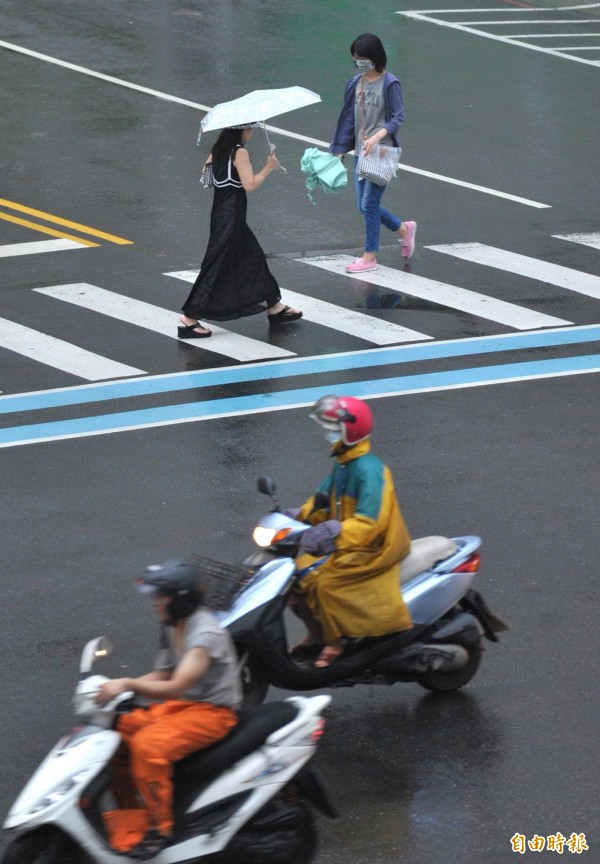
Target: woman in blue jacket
[(372, 114)]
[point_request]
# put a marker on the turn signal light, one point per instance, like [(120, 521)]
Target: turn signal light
[(471, 565), (281, 535)]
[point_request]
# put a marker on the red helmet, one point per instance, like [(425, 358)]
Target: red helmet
[(351, 417)]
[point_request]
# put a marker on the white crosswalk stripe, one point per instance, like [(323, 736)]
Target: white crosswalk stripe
[(338, 318), (12, 250), (592, 240), (358, 324), (511, 262), (61, 355), (163, 321), (519, 317)]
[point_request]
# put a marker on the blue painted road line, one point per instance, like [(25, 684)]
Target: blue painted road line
[(265, 402), (369, 358)]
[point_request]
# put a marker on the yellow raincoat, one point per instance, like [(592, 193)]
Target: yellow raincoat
[(356, 591)]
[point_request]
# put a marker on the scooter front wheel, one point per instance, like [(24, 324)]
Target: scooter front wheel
[(253, 675), (44, 846), (441, 682)]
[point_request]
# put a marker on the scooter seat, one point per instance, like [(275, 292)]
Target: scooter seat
[(424, 553), (253, 728)]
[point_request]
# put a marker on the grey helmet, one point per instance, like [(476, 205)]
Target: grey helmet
[(179, 580)]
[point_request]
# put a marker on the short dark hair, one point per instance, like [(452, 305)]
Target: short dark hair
[(371, 48)]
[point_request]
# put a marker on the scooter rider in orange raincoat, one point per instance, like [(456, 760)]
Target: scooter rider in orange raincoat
[(196, 678)]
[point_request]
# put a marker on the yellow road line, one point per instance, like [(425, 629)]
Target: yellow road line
[(112, 238), (46, 230)]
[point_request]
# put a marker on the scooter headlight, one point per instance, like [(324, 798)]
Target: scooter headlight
[(268, 536), (263, 536)]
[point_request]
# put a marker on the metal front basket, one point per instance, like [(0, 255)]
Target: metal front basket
[(223, 581)]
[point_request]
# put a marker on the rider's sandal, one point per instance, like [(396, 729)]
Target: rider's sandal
[(188, 331), (328, 655), (150, 846), (303, 649)]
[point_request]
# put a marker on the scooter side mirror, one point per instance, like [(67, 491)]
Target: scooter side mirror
[(94, 650), (266, 486)]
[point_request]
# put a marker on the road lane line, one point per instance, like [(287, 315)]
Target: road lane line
[(529, 21), (523, 265), (44, 230), (163, 321), (273, 370), (59, 354), (481, 305), (338, 317), (592, 239), (285, 400), (423, 16), (58, 220), (13, 250), (553, 36), (9, 46)]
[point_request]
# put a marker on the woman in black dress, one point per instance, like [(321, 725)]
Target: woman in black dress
[(234, 278)]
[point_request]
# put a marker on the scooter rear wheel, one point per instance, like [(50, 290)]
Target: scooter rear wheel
[(44, 846), (443, 682)]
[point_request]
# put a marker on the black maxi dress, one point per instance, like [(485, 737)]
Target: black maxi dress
[(234, 278)]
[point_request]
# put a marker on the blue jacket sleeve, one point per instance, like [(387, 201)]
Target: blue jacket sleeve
[(394, 108), (344, 135)]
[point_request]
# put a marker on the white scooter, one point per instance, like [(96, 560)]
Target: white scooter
[(242, 800)]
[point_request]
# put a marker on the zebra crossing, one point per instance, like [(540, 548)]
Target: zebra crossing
[(321, 312), (554, 31)]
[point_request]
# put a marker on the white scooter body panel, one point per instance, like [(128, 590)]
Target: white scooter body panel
[(63, 775)]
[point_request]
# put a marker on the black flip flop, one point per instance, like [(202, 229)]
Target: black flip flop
[(286, 316), (185, 331)]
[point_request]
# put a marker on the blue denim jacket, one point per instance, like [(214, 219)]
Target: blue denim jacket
[(344, 135)]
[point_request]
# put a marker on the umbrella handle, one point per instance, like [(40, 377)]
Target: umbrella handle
[(272, 148)]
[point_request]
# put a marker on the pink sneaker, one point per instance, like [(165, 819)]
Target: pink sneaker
[(408, 242), (359, 265)]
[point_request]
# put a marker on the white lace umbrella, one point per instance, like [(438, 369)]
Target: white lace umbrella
[(257, 106)]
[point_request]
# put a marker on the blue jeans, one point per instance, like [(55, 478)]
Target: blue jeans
[(368, 198)]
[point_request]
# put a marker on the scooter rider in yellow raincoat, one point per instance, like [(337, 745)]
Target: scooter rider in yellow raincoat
[(355, 592)]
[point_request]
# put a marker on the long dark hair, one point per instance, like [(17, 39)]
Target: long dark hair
[(371, 48), (225, 143)]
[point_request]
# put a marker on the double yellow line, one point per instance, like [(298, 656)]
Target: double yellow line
[(56, 220)]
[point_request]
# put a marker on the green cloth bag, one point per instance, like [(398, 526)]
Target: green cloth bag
[(324, 171)]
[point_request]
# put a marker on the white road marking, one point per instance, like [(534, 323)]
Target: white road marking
[(592, 240), (531, 21), (481, 305), (284, 132), (59, 354), (468, 27), (338, 318), (552, 35), (163, 321), (11, 250), (511, 262)]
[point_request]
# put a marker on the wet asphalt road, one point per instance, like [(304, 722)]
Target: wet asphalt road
[(417, 778)]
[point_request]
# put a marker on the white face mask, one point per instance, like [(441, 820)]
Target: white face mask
[(363, 65), (333, 436)]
